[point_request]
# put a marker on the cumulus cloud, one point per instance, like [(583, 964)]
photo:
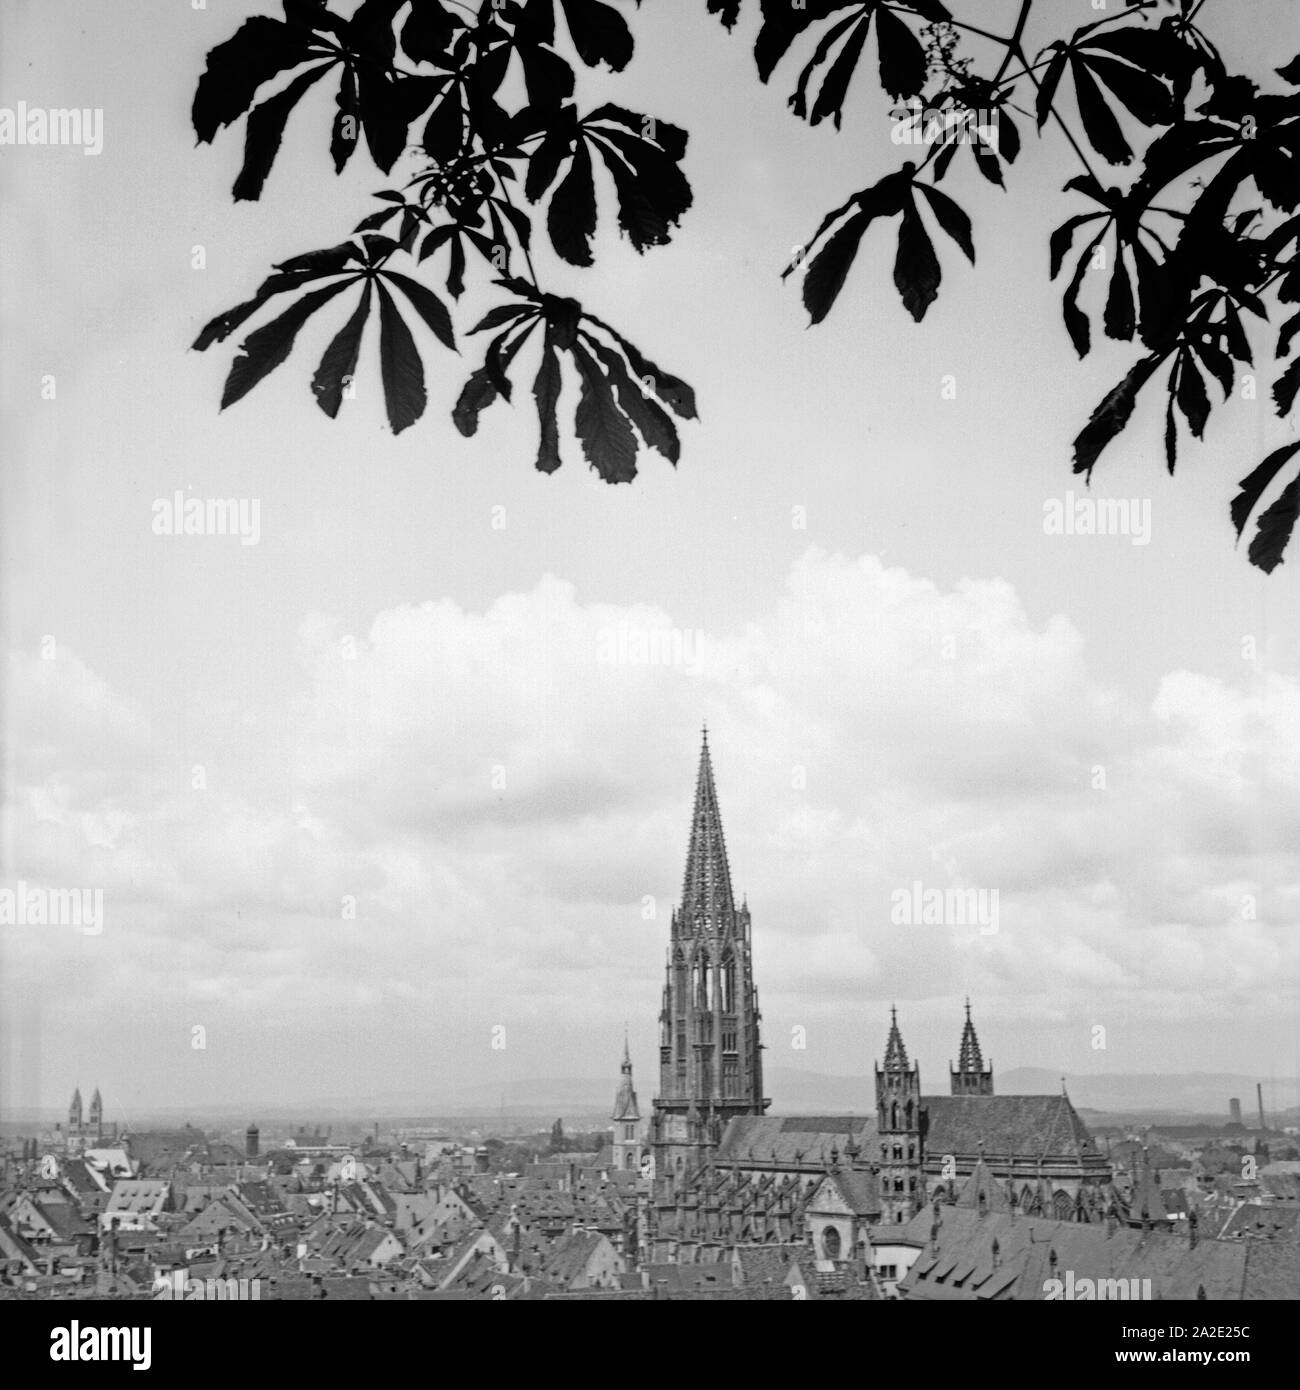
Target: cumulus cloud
[(462, 820)]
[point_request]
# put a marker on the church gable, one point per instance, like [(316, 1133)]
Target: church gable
[(828, 1200)]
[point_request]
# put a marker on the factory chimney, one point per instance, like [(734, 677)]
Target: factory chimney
[(1259, 1096)]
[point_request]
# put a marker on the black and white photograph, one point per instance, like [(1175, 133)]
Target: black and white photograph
[(650, 655)]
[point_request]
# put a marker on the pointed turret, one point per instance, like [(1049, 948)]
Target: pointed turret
[(969, 1058), (625, 1106), (74, 1110), (895, 1052), (970, 1078)]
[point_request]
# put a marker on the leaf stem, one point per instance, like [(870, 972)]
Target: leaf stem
[(1014, 42), (528, 259), (1060, 121)]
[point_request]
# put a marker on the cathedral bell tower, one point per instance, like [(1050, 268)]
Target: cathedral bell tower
[(900, 1126), (710, 1057)]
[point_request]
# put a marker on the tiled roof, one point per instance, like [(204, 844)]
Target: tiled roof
[(568, 1257), (959, 1261), (1005, 1125), (137, 1194), (345, 1288), (762, 1264), (694, 1277), (80, 1178), (1146, 1202), (803, 1142), (1255, 1220), (65, 1219), (153, 1148), (260, 1198), (1273, 1268), (14, 1246)]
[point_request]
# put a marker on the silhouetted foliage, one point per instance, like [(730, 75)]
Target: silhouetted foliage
[(1188, 185), (436, 71)]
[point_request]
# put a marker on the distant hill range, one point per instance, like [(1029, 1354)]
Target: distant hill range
[(1178, 1099)]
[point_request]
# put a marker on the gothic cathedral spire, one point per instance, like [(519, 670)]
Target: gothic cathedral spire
[(895, 1052), (710, 1057), (971, 1078), (706, 890)]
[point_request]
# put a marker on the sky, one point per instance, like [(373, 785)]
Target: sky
[(422, 692)]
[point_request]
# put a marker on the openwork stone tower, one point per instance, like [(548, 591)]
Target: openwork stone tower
[(710, 1056)]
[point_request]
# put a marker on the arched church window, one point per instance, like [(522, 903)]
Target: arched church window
[(831, 1243)]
